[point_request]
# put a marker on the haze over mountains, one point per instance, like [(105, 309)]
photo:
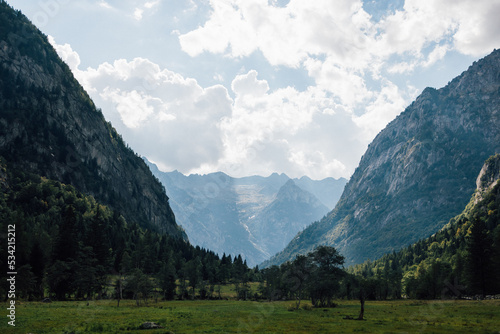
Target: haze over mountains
[(253, 216), (417, 173)]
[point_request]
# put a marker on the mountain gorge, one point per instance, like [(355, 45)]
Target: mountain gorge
[(417, 173), (50, 127), (253, 216)]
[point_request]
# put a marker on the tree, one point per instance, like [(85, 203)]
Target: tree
[(60, 278), (140, 285), (96, 238), (86, 281), (66, 246), (326, 273), (167, 278), (298, 277), (192, 271), (37, 262), (479, 251)]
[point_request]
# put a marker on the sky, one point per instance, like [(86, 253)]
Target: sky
[(252, 87)]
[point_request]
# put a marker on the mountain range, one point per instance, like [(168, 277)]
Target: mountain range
[(417, 173), (253, 216)]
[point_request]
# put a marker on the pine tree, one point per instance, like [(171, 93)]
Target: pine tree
[(479, 251)]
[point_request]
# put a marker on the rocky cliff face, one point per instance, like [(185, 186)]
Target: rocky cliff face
[(417, 173), (49, 126), (488, 178), (291, 211)]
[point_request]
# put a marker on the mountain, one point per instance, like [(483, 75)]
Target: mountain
[(292, 210), (328, 190), (466, 251), (253, 216), (50, 127), (417, 173)]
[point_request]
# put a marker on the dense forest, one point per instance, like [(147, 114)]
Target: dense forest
[(462, 259), (70, 246)]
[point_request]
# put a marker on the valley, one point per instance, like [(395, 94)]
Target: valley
[(105, 241), (253, 216)]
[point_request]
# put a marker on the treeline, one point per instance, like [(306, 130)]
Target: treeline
[(67, 245), (462, 259), (317, 276)]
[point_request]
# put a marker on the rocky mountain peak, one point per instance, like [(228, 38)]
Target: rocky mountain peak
[(417, 173)]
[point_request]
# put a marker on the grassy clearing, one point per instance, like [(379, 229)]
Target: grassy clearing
[(231, 316)]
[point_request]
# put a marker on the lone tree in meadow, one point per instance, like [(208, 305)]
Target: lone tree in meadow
[(326, 272)]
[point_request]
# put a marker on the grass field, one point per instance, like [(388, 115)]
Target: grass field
[(229, 316)]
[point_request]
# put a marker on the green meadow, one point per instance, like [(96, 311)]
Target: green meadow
[(231, 316)]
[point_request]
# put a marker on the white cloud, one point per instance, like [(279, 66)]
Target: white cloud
[(343, 33), (66, 53), (181, 125), (151, 4), (248, 85), (285, 35), (104, 4), (164, 116), (389, 103), (138, 14), (284, 130), (346, 84), (358, 70)]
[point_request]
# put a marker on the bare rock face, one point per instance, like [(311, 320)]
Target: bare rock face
[(488, 177), (251, 216), (50, 126), (417, 173)]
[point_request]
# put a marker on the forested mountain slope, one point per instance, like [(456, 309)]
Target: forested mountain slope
[(67, 246), (50, 127), (463, 258), (417, 173)]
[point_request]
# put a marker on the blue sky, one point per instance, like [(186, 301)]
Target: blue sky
[(259, 86)]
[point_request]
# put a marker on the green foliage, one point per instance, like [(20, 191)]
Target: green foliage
[(316, 276), (75, 244), (461, 259), (230, 316)]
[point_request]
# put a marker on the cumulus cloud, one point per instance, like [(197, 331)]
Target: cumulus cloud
[(285, 130), (181, 125), (356, 68), (166, 117), (343, 33), (66, 53), (285, 35)]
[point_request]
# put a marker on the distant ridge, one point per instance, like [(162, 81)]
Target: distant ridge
[(253, 216)]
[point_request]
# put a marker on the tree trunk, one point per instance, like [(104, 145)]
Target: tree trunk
[(297, 303), (362, 312)]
